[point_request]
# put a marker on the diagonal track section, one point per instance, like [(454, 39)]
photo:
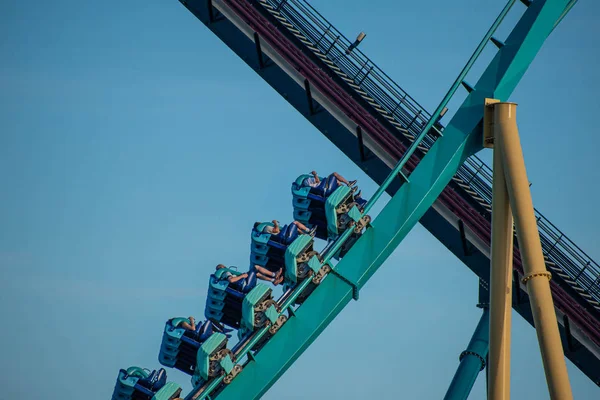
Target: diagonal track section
[(576, 271), (427, 181), (564, 258), (448, 213)]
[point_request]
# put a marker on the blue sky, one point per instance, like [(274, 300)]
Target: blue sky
[(136, 151)]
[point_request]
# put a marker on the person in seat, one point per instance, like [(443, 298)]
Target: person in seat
[(188, 323), (329, 184), (202, 331), (246, 281), (276, 230), (288, 234), (274, 277), (332, 179)]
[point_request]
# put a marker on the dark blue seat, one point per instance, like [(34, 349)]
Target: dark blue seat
[(141, 393), (287, 234), (191, 342), (234, 296), (268, 249), (155, 381), (203, 331), (326, 206), (243, 286), (276, 245), (360, 201), (325, 188), (317, 198), (234, 304), (135, 383)]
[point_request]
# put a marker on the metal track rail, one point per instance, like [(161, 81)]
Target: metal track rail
[(563, 257)]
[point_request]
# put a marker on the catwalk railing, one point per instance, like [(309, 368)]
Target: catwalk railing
[(408, 117)]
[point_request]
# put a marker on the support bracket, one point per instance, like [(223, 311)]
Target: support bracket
[(354, 286), (516, 288), (361, 145), (313, 106), (403, 177), (484, 295), (263, 61), (213, 14), (571, 345), (488, 123), (466, 246), (364, 152)]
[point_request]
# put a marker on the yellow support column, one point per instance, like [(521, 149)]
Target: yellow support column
[(500, 275), (506, 138)]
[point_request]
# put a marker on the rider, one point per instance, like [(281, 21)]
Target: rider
[(288, 233), (276, 230), (274, 277), (188, 323), (203, 330), (243, 282), (316, 182), (333, 179)]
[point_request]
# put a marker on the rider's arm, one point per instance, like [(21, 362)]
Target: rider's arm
[(191, 326), (233, 279), (314, 173), (276, 229)]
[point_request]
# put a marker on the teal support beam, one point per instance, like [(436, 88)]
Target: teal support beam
[(434, 117), (461, 139), (510, 63), (472, 361)]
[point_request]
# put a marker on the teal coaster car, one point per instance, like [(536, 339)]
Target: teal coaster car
[(331, 207), (201, 353), (288, 250), (135, 383), (245, 307)]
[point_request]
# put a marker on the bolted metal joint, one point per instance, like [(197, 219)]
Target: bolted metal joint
[(471, 353), (535, 275)]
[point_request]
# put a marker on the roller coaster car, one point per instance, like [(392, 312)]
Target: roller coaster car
[(331, 207), (245, 310), (288, 250), (196, 352), (137, 383)]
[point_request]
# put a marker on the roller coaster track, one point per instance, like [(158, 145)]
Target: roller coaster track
[(563, 257), (397, 120)]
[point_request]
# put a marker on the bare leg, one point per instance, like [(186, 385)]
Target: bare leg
[(265, 277), (264, 272), (343, 180), (274, 280), (301, 226)]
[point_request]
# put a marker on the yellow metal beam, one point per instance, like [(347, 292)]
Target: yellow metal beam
[(507, 143), (501, 271)]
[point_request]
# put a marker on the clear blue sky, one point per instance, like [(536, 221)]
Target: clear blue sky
[(136, 151)]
